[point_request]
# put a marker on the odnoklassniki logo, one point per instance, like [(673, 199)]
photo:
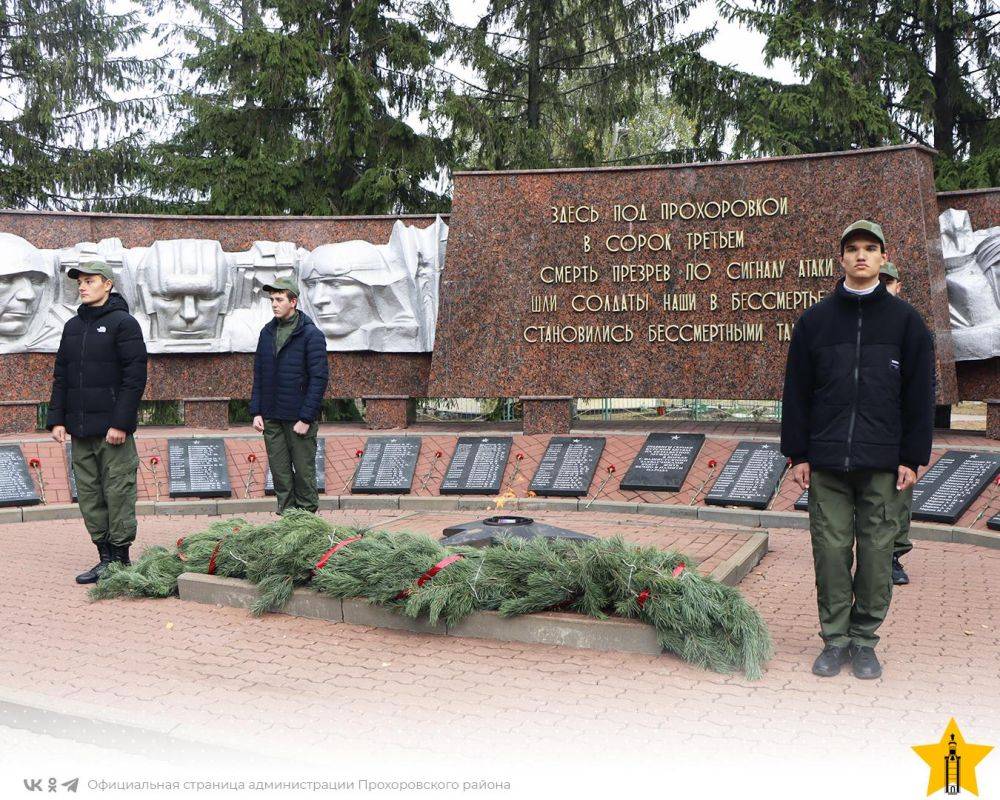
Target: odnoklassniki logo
[(953, 762)]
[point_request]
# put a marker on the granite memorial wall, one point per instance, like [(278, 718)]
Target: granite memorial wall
[(675, 281)]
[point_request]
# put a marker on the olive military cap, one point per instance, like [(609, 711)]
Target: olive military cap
[(889, 270), (288, 284), (863, 226), (92, 268)]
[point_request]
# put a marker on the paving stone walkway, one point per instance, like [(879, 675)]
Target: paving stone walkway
[(303, 688)]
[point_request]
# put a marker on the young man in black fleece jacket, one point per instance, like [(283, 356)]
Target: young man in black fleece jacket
[(857, 420), (98, 381)]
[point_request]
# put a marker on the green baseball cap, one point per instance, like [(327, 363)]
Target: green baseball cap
[(865, 226), (288, 284), (889, 270), (92, 268)]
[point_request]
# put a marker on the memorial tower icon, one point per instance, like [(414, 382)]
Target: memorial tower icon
[(952, 769)]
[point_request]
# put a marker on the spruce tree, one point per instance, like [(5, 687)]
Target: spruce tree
[(552, 80), (73, 95), (871, 73), (302, 106)]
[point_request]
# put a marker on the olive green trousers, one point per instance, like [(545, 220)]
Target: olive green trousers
[(106, 487), (292, 459), (854, 513)]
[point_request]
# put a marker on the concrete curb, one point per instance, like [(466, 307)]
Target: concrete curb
[(735, 568), (564, 630), (747, 518)]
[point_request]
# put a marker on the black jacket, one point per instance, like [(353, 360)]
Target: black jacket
[(289, 385), (859, 385), (100, 371)]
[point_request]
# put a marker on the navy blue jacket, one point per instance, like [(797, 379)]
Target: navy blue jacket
[(859, 385), (289, 385), (100, 371)]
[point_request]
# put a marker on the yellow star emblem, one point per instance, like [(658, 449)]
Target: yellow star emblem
[(952, 761)]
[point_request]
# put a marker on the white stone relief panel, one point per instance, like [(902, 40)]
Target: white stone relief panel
[(972, 274), (190, 296)]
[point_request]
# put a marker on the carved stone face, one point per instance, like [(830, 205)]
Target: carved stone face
[(20, 296), (24, 282), (340, 305), (357, 294), (185, 287)]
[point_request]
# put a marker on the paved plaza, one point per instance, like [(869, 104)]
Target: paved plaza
[(194, 676)]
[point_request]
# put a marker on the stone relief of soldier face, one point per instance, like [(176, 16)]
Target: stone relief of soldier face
[(20, 296), (360, 295), (340, 305), (185, 287), (24, 283)]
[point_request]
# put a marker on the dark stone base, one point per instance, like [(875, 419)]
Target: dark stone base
[(547, 414), (993, 419), (18, 417), (392, 411), (206, 412)]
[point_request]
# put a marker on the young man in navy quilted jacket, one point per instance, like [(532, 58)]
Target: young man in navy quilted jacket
[(290, 372)]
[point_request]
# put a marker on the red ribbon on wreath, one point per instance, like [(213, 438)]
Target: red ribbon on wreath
[(442, 564), (326, 556)]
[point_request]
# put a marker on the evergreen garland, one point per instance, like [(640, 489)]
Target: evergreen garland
[(704, 622)]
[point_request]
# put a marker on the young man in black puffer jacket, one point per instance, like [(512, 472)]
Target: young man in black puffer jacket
[(99, 378), (857, 421)]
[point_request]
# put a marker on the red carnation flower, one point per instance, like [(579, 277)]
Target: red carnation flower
[(438, 454), (712, 463), (34, 463), (358, 453), (154, 460), (251, 458), (611, 469), (520, 456)]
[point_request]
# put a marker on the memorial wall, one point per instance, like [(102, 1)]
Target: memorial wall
[(675, 281), (195, 283)]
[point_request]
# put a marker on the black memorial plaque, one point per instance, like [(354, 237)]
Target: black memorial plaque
[(802, 504), (663, 462), (16, 486), (387, 465), (477, 465), (749, 477), (953, 482), (320, 470), (568, 466), (198, 468), (994, 522)]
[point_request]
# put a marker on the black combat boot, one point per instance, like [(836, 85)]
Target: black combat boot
[(899, 576), (95, 572), (119, 552), (829, 662), (864, 663)]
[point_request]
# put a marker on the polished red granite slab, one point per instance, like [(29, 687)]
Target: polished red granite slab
[(511, 231)]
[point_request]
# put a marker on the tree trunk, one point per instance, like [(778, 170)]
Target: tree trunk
[(534, 65), (945, 78)]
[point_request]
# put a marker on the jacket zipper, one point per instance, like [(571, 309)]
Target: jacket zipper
[(83, 355), (854, 405)]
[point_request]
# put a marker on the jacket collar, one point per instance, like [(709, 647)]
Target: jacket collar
[(115, 303), (876, 296), (303, 320)]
